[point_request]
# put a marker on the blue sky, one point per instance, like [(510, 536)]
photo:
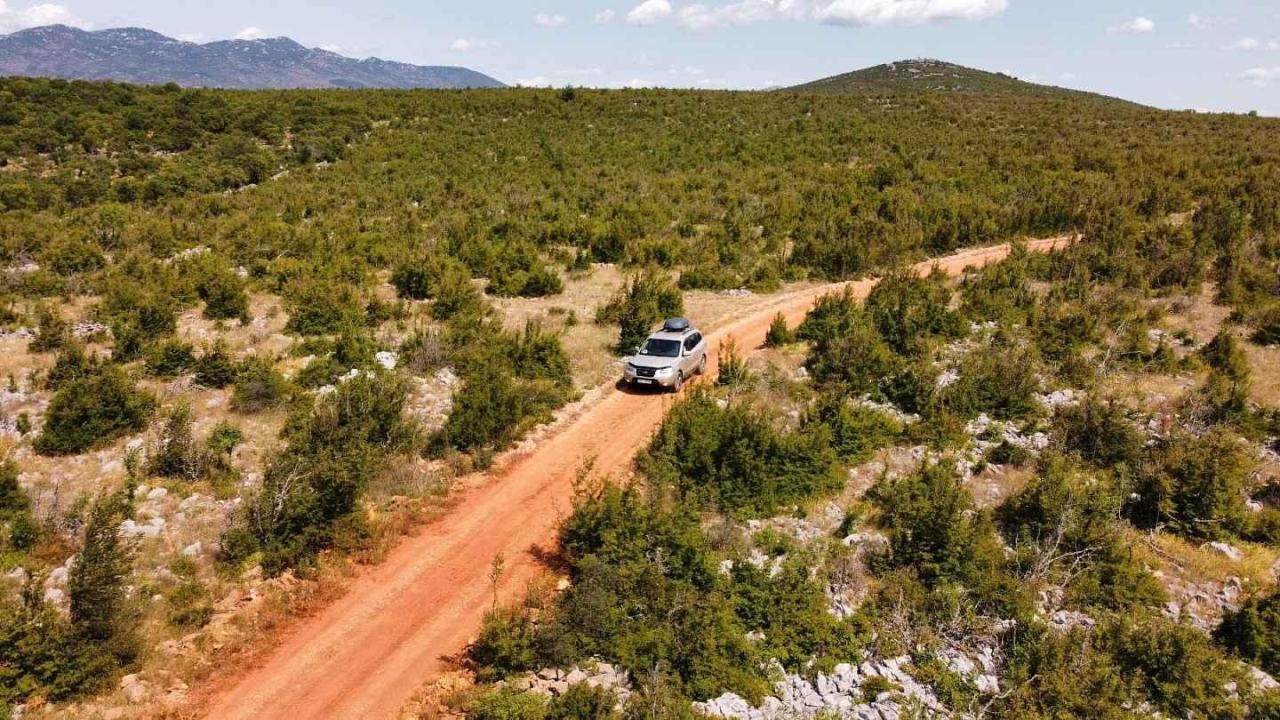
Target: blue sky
[(1197, 54)]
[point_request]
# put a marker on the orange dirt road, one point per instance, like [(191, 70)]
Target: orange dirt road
[(365, 655)]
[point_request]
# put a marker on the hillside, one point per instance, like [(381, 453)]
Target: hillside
[(249, 341), (145, 57), (929, 75)]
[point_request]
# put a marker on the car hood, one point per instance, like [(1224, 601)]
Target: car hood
[(652, 361)]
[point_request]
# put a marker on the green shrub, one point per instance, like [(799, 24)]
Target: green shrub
[(72, 363), (1100, 433), (321, 306), (856, 431), (99, 599), (1000, 380), (927, 516), (1253, 631), (170, 358), (419, 277), (732, 367), (1176, 666), (258, 386), (907, 310), (633, 560), (1197, 488), (137, 314), (89, 411), (583, 702), (69, 256), (51, 330), (642, 301), (1267, 326), (506, 645), (488, 410), (215, 368), (779, 334), (846, 348), (223, 293), (310, 492), (456, 295), (732, 458), (44, 655), (508, 704)]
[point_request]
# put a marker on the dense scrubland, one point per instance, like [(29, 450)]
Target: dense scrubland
[(336, 250)]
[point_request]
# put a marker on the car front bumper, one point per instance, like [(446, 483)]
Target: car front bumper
[(630, 377)]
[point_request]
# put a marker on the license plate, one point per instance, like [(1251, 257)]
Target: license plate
[(644, 381)]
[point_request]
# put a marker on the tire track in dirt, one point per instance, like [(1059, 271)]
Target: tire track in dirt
[(366, 654)]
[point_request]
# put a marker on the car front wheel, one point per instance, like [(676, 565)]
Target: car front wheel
[(702, 365), (679, 383)]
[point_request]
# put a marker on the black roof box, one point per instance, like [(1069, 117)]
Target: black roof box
[(676, 324)]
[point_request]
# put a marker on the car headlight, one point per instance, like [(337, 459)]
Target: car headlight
[(663, 372), (632, 367)]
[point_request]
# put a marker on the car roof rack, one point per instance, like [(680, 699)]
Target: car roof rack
[(676, 324)]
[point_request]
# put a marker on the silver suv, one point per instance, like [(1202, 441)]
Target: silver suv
[(670, 356)]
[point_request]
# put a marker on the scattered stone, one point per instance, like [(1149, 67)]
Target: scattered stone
[(157, 494), (1227, 550), (195, 549), (134, 689), (387, 360)]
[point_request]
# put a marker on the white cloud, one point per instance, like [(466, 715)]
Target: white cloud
[(13, 19), (699, 16), (906, 12), (461, 45), (190, 37), (1273, 45), (250, 33), (1180, 45), (1245, 44), (649, 12), (551, 21), (1068, 76), (331, 48), (1207, 22), (605, 16), (1137, 25), (1262, 76)]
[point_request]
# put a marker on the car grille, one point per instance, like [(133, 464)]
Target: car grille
[(646, 372)]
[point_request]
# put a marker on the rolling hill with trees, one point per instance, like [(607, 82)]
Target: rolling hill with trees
[(928, 75)]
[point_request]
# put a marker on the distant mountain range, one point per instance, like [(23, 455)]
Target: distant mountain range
[(141, 56)]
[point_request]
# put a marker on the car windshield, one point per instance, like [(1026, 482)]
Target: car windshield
[(661, 348)]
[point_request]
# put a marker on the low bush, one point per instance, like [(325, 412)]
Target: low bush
[(856, 431), (309, 495), (732, 458), (780, 334), (508, 704), (72, 363), (215, 367), (1100, 433), (1253, 631), (1196, 487), (907, 310), (643, 301), (258, 386), (89, 411), (170, 358)]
